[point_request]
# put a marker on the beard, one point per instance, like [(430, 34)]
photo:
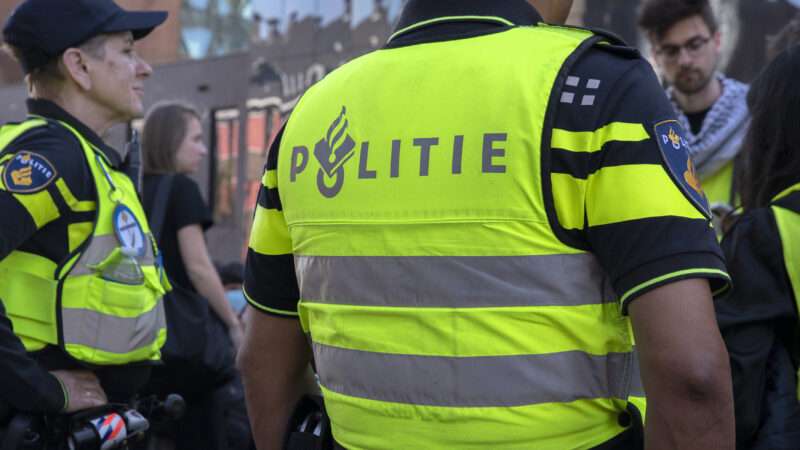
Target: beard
[(692, 80)]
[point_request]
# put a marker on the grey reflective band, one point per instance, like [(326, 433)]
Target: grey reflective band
[(112, 334), (453, 281), (637, 388), (99, 249), (505, 381)]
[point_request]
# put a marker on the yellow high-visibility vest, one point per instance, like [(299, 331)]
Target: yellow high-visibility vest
[(71, 305), (788, 222), (510, 338)]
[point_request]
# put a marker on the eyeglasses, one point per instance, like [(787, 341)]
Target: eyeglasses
[(693, 46)]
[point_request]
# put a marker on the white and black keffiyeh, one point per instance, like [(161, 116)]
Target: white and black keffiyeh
[(723, 130)]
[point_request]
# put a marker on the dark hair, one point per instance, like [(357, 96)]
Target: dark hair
[(658, 16), (165, 128), (770, 157)]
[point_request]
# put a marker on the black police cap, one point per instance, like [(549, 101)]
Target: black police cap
[(43, 29)]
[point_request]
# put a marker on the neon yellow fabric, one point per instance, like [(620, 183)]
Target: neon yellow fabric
[(470, 428), (30, 282), (28, 290), (789, 228), (634, 189), (71, 201), (77, 233), (718, 186), (631, 188), (482, 331), (593, 141), (273, 238), (444, 172)]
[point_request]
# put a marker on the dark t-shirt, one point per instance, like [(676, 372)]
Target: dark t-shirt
[(759, 322), (696, 120), (185, 207)]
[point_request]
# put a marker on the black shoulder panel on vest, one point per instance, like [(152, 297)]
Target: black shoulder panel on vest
[(50, 127), (608, 36), (609, 42), (790, 202), (565, 236)]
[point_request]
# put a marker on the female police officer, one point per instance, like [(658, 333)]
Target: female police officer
[(80, 285)]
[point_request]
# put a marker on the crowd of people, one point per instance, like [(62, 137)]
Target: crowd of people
[(597, 262)]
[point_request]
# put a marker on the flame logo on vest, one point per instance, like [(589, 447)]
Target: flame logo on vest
[(332, 153), (675, 139), (691, 178)]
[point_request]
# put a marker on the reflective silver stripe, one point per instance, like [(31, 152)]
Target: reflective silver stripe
[(101, 247), (473, 382), (454, 281), (111, 333), (637, 388)]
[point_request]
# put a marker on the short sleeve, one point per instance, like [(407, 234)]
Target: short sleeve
[(270, 283), (187, 206), (622, 182), (43, 177)]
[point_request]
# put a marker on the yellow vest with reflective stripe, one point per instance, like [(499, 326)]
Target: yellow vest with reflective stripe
[(718, 187), (443, 311), (788, 222), (95, 321)]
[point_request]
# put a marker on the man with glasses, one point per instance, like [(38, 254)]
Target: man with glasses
[(686, 46)]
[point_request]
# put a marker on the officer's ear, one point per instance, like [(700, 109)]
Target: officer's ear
[(76, 68)]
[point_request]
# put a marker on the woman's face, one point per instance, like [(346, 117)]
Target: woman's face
[(192, 150)]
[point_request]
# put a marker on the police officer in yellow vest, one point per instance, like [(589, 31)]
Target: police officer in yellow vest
[(80, 284), (467, 229)]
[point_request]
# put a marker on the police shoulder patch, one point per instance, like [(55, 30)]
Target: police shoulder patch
[(28, 172), (675, 152)]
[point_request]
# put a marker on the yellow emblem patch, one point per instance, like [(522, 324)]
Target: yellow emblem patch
[(28, 173), (22, 177)]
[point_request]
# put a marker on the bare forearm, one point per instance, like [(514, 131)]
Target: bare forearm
[(206, 280), (685, 368), (270, 405), (692, 417), (274, 362), (202, 273)]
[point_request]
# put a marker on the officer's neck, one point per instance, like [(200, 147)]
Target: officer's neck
[(80, 106), (701, 100)]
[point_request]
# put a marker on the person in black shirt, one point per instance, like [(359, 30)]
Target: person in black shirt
[(172, 143), (759, 316)]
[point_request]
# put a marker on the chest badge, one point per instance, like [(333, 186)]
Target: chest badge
[(129, 231), (28, 173), (675, 152)]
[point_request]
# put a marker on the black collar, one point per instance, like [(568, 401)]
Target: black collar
[(515, 12), (50, 110)]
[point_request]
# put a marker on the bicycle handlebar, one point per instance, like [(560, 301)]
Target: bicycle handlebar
[(104, 428)]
